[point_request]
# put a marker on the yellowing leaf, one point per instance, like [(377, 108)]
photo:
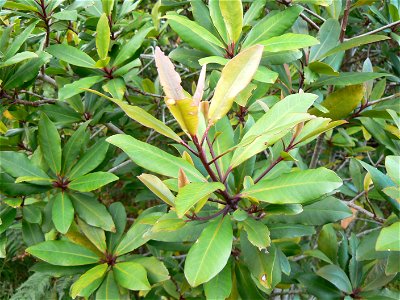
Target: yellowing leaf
[(102, 37), (341, 102), (235, 76), (141, 116), (158, 187), (192, 193), (186, 113), (232, 13)]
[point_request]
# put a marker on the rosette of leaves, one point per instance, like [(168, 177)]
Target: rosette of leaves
[(216, 183), (101, 258), (64, 172)]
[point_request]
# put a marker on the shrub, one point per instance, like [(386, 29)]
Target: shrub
[(191, 150)]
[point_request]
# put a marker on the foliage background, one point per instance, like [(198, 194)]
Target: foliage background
[(69, 69)]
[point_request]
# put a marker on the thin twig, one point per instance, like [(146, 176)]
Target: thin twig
[(139, 91), (383, 99), (364, 211), (309, 21), (48, 79), (220, 212), (345, 20), (377, 30), (317, 151), (37, 95), (121, 165), (114, 128), (213, 156), (34, 103), (314, 14)]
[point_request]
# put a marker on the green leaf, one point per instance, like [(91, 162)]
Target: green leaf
[(273, 125), (132, 276), (128, 49), (143, 117), (313, 128), (92, 212), (103, 36), (73, 146), (19, 40), (118, 213), (32, 178), (90, 160), (116, 87), (195, 35), (319, 287), (32, 214), (392, 164), (341, 102), (236, 75), (156, 271), (348, 78), (17, 164), (62, 212), (95, 234), (88, 282), (158, 187), (77, 87), (218, 20), (66, 15), (253, 12), (246, 286), (220, 286), (318, 254), (134, 237), (389, 238), (108, 6), (7, 216), (327, 242), (209, 255), (322, 68), (27, 71), (272, 25), (321, 212), (71, 55), (265, 75), (201, 15), (355, 42), (257, 233), (336, 276), (288, 41), (50, 143), (328, 35), (192, 193), (109, 288), (264, 266), (154, 159), (295, 187), (32, 233), (63, 253), (283, 231), (92, 181), (376, 279), (381, 181), (17, 58), (232, 13)]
